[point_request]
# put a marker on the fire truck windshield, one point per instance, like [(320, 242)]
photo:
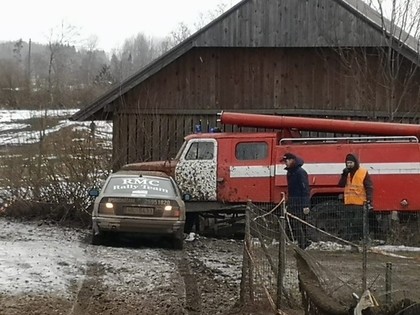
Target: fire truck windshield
[(178, 155)]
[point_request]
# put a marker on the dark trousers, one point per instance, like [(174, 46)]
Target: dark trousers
[(353, 216), (192, 219), (298, 229)]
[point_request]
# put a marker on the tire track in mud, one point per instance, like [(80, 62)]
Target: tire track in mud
[(219, 291), (192, 293), (87, 289), (206, 290)]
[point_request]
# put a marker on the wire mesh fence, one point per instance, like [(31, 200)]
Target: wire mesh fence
[(344, 255)]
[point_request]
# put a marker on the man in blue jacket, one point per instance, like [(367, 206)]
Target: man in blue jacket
[(298, 196)]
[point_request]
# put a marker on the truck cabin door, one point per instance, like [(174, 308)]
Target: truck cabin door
[(245, 171), (195, 172)]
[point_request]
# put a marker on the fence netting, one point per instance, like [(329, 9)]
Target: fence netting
[(345, 259)]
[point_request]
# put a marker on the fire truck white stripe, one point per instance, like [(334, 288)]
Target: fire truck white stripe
[(373, 168), (325, 169), (251, 171)]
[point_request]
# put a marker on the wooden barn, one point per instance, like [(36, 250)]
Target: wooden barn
[(294, 57)]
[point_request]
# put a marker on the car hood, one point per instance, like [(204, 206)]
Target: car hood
[(167, 167)]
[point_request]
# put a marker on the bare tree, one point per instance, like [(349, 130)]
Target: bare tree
[(17, 50), (136, 52), (386, 77), (8, 82), (12, 81), (181, 33), (91, 44), (60, 39), (402, 28), (115, 68), (206, 17)]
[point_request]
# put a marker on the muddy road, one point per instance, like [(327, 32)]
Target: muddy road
[(47, 269)]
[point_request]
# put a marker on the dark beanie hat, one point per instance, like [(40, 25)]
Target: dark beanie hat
[(289, 156), (351, 157)]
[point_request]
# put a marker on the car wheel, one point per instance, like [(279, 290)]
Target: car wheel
[(178, 241), (96, 239)]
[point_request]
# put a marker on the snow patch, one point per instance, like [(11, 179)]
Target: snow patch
[(14, 130)]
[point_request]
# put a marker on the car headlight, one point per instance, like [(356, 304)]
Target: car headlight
[(168, 208), (109, 205)]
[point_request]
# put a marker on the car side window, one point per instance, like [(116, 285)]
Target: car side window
[(200, 151), (251, 151)]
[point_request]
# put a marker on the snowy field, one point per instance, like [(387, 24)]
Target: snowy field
[(17, 126)]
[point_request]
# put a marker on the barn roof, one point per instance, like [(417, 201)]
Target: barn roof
[(274, 23)]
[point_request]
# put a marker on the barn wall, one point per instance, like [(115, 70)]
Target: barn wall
[(157, 136), (153, 117), (264, 78)]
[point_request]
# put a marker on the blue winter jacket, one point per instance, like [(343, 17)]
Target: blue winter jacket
[(297, 186)]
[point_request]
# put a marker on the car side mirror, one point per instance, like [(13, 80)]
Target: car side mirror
[(94, 192), (186, 197)]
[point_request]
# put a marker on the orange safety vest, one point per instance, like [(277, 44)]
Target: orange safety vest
[(354, 192)]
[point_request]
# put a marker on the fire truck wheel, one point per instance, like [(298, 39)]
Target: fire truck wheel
[(328, 217)]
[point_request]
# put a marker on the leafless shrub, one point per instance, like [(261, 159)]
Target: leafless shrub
[(54, 183)]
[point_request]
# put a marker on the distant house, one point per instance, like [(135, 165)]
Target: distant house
[(302, 57)]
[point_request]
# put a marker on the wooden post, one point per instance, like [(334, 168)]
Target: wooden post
[(365, 244), (247, 268), (245, 260), (282, 256), (388, 283)]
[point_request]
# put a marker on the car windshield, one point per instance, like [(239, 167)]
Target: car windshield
[(140, 186)]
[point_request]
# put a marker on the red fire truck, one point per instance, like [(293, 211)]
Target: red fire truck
[(222, 171)]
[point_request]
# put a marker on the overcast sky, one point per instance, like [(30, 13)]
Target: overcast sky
[(111, 21)]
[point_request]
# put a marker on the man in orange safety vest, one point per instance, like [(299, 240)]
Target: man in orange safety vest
[(358, 192)]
